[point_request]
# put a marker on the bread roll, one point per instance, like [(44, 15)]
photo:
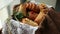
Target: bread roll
[(32, 6), (40, 17), (29, 22), (43, 11), (42, 6), (22, 9)]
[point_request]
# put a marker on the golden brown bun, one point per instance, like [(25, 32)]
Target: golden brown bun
[(42, 6), (29, 22), (40, 17), (32, 6), (42, 13), (22, 9)]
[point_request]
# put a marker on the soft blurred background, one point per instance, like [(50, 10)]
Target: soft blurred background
[(5, 5)]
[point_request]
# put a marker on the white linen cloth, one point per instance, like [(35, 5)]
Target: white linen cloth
[(19, 28)]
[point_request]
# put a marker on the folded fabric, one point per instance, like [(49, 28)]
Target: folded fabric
[(18, 28)]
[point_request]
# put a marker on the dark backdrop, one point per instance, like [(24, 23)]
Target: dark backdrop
[(57, 5)]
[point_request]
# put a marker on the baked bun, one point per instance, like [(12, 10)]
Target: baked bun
[(30, 22)]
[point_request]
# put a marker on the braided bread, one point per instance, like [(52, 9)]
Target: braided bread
[(32, 6)]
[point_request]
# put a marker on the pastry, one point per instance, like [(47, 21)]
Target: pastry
[(29, 22), (32, 6), (40, 17)]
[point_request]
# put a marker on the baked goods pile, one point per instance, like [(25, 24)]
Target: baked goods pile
[(30, 13)]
